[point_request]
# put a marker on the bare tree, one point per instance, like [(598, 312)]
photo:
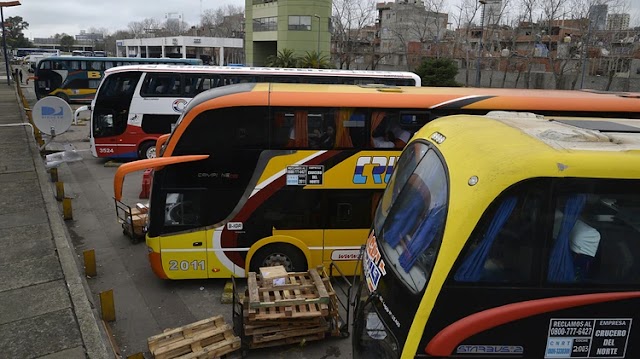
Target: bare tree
[(350, 20), (143, 28), (463, 17), (226, 21)]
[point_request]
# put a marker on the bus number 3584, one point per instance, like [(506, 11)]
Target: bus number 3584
[(186, 265)]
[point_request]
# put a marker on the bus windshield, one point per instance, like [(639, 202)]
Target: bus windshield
[(411, 215)]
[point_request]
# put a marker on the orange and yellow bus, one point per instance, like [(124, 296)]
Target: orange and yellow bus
[(506, 236), (263, 174)]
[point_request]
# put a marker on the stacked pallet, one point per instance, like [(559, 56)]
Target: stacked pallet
[(208, 338), (288, 308)]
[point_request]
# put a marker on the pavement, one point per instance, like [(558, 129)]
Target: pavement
[(46, 307)]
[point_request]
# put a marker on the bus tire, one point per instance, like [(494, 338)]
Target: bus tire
[(63, 96), (147, 150), (286, 255)]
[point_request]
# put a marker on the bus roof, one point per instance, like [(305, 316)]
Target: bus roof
[(258, 70), (130, 59), (518, 146), (434, 98)]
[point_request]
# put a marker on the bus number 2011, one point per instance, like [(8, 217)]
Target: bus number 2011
[(186, 265)]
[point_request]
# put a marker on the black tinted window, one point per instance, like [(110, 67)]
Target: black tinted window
[(228, 128), (596, 232), (162, 84)]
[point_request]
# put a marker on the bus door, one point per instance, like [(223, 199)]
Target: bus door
[(350, 214), (184, 250)]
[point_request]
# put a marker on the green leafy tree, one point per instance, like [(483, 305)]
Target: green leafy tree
[(438, 72), (284, 58), (67, 42), (14, 27), (315, 60)]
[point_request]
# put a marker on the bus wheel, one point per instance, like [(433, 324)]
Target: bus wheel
[(63, 96), (286, 255), (147, 150)]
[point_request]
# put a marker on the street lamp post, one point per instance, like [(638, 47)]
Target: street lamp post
[(4, 4), (483, 2), (318, 17)]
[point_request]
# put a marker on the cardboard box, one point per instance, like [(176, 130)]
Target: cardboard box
[(139, 222), (274, 276), (142, 208)]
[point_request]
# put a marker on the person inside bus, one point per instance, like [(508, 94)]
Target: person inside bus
[(583, 243), (389, 134), (324, 139)]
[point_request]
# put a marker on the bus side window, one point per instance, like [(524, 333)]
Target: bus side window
[(387, 131), (282, 129), (321, 129), (502, 246), (356, 126), (97, 65), (596, 234)]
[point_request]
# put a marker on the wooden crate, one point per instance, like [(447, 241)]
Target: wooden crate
[(208, 338)]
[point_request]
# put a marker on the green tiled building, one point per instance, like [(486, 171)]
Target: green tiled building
[(274, 25)]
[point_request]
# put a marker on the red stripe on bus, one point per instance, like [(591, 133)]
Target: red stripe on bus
[(444, 343), (229, 239)]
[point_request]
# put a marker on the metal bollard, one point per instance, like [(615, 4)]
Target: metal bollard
[(107, 306), (66, 209), (54, 174), (90, 263), (59, 191)]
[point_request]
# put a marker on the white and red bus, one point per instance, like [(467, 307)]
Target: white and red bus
[(135, 105)]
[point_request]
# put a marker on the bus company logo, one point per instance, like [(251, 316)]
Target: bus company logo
[(381, 171), (179, 105), (490, 349), (374, 267), (52, 113)]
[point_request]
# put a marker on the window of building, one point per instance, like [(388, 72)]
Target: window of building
[(265, 24), (300, 23)]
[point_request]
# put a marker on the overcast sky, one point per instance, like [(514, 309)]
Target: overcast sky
[(48, 17)]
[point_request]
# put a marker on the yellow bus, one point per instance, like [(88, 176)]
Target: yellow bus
[(263, 174), (508, 235)]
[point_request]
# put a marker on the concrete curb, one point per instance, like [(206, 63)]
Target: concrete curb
[(93, 338)]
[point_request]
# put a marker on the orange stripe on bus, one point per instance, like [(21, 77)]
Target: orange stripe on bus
[(445, 342), (123, 170)]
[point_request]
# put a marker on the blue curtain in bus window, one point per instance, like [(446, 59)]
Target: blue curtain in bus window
[(560, 261), (405, 219), (472, 268), (422, 238)]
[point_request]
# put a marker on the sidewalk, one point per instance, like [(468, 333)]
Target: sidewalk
[(44, 308)]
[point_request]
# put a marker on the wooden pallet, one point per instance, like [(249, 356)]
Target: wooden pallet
[(301, 288), (277, 327), (305, 308), (208, 338), (306, 311), (287, 341)]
